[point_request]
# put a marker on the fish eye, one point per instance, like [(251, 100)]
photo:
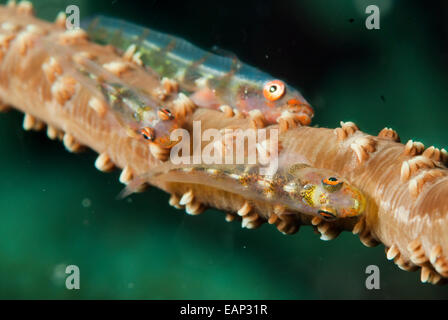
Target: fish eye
[(332, 184), (147, 133), (274, 90), (165, 114), (328, 213)]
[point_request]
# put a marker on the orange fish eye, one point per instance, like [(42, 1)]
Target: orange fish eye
[(274, 90), (332, 184), (147, 133), (165, 114), (332, 181)]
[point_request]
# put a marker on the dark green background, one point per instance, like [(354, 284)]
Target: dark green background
[(143, 248)]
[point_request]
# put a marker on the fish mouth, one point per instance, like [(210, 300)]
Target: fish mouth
[(357, 203), (297, 105)]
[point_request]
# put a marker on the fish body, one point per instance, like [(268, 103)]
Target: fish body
[(211, 80), (134, 108), (138, 112), (297, 187)]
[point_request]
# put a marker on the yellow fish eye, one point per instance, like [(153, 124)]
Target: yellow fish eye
[(332, 184)]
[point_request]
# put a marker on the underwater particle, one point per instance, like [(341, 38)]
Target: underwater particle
[(86, 202), (351, 20), (131, 285), (383, 99)]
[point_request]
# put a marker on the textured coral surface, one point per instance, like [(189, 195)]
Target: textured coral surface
[(70, 209)]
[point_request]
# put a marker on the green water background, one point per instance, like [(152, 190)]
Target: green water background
[(56, 209)]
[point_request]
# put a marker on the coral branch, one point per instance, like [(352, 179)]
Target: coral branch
[(406, 186)]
